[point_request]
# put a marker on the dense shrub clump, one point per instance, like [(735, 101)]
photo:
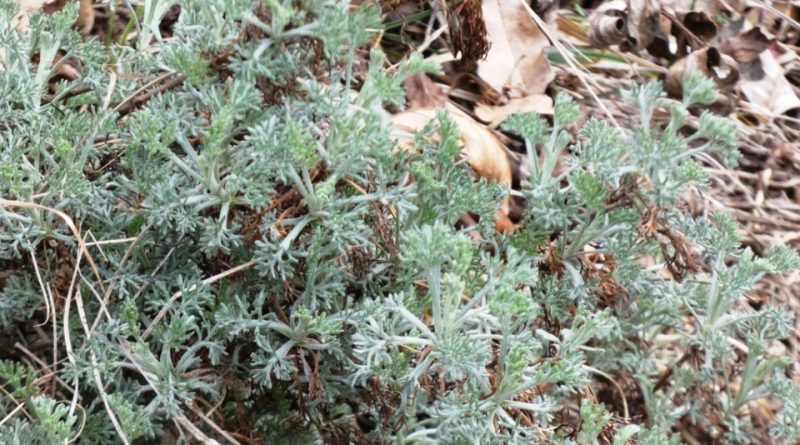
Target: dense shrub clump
[(212, 237)]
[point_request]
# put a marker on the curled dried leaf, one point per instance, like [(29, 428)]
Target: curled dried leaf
[(709, 61), (486, 93), (516, 64), (699, 24), (644, 23), (608, 24), (422, 92), (746, 47), (771, 91), (763, 78), (607, 30), (496, 115), (482, 149)]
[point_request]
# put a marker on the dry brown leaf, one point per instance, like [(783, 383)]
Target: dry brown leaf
[(699, 23), (763, 78), (608, 24), (607, 30), (644, 22), (85, 20), (772, 92), (709, 61), (696, 16), (26, 7), (85, 16), (422, 92), (484, 152), (746, 47), (485, 92), (496, 115), (516, 64)]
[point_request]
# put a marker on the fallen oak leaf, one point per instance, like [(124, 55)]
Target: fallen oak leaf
[(422, 92), (772, 91), (644, 24), (484, 152), (746, 47), (496, 115), (763, 78), (608, 24), (516, 63), (708, 61)]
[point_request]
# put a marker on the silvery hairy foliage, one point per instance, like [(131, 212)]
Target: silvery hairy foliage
[(247, 256)]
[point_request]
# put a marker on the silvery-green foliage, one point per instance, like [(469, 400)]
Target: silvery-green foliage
[(355, 309)]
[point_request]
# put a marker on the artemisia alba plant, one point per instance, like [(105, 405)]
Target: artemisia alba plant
[(211, 236)]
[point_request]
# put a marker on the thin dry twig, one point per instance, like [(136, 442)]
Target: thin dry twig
[(180, 419), (625, 412), (92, 356), (68, 221), (12, 413), (140, 96), (212, 424), (179, 294), (128, 252), (570, 60), (47, 301), (43, 365)]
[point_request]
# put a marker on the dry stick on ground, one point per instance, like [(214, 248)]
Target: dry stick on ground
[(179, 419), (68, 93), (20, 405), (762, 5), (158, 267), (103, 305), (47, 301), (128, 252), (133, 101), (111, 241), (92, 356), (569, 58), (14, 411), (94, 242), (179, 294), (694, 40), (41, 363), (211, 424), (66, 218), (112, 84), (625, 413)]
